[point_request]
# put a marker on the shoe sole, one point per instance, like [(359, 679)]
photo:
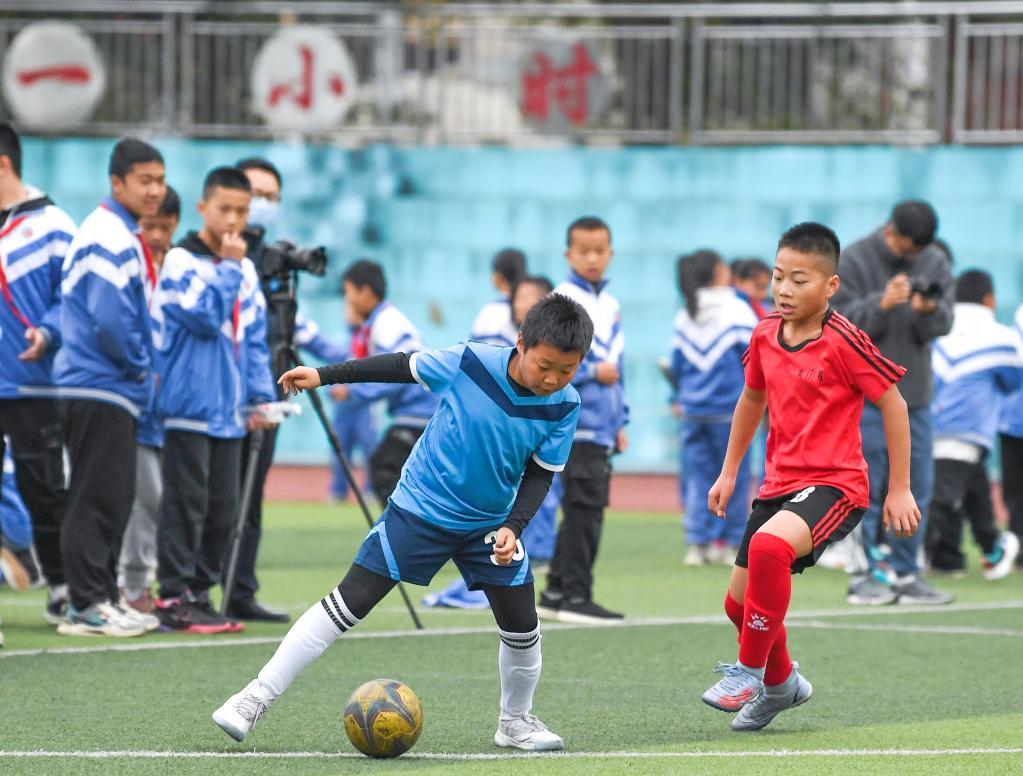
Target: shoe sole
[(547, 613), (228, 728), (53, 619), (502, 740), (913, 601), (586, 619), (206, 630), (80, 629), (856, 600), (15, 575), (771, 718), (715, 705)]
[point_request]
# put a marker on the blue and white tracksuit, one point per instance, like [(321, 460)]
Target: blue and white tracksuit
[(353, 421), (604, 410), (15, 521), (495, 325), (106, 352), (387, 330), (32, 254), (977, 367), (212, 354), (1011, 419), (706, 365)]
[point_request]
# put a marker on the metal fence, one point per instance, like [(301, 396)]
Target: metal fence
[(898, 72)]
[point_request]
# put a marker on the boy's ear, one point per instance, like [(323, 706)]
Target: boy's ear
[(201, 206), (834, 283)]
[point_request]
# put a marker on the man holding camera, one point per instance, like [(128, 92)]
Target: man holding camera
[(897, 286)]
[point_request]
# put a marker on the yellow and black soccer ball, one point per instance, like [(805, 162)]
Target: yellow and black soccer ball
[(383, 718)]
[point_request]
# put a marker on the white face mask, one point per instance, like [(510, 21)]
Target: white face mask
[(262, 212)]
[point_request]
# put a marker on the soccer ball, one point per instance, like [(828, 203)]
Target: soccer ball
[(383, 718)]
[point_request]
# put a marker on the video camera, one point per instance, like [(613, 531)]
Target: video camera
[(927, 288), (283, 257)]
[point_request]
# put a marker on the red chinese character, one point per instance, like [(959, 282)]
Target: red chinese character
[(300, 89), (566, 86), (74, 74)]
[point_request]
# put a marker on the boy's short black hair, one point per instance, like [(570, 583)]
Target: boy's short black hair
[(814, 239), (560, 322), (10, 146), (259, 163), (916, 220), (225, 178), (542, 281), (171, 205), (586, 224), (130, 151), (510, 263), (746, 269), (364, 273), (973, 285)]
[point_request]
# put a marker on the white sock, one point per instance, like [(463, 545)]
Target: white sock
[(520, 662), (320, 626)]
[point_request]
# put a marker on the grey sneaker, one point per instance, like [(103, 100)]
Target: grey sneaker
[(868, 591), (915, 590), (734, 690), (527, 732), (758, 714)]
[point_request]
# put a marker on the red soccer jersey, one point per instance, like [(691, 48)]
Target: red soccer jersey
[(815, 394)]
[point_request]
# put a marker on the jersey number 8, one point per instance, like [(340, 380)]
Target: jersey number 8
[(520, 551)]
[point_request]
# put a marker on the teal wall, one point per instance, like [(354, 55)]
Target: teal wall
[(434, 217)]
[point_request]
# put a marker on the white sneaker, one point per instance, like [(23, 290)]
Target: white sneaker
[(697, 555), (527, 732), (102, 619), (1008, 545), (242, 710), (148, 621)]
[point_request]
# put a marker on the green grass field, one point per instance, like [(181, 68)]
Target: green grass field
[(897, 690)]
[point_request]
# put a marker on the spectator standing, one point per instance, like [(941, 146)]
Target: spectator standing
[(896, 285), (1010, 439), (494, 324)]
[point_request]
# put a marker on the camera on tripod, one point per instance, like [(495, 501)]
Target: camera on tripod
[(283, 257)]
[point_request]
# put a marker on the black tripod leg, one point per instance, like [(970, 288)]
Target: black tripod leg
[(335, 443), (255, 446)]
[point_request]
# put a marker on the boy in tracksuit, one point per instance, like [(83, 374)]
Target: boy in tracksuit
[(214, 367), (104, 372), (384, 329), (600, 433), (34, 238), (976, 365)]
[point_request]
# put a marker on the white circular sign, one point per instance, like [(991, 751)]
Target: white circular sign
[(53, 76), (303, 79)]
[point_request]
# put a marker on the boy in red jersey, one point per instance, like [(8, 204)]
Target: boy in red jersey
[(813, 369)]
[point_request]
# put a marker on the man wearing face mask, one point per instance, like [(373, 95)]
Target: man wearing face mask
[(265, 180)]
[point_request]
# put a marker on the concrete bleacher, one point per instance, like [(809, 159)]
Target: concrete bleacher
[(434, 217)]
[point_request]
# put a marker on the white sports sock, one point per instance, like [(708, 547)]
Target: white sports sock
[(520, 662), (320, 626)]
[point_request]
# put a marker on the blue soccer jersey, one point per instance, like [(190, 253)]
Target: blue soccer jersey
[(464, 472)]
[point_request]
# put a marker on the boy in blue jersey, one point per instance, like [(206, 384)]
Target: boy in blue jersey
[(475, 478), (212, 324)]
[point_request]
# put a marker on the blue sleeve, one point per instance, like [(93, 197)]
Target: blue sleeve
[(1009, 378), (587, 371), (259, 379), (309, 338), (50, 322), (198, 305), (436, 369), (553, 452)]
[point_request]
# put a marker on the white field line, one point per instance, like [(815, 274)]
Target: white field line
[(148, 754), (796, 618)]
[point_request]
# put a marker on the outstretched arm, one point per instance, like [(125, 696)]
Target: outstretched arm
[(388, 368), (900, 510), (748, 414)]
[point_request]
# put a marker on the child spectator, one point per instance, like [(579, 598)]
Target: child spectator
[(494, 324), (214, 367), (1011, 443), (752, 281), (712, 332), (601, 432), (976, 365)]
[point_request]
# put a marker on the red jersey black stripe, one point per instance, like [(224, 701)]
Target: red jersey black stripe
[(878, 362), (869, 349)]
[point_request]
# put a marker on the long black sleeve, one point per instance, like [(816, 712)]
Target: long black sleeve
[(536, 481), (387, 368)]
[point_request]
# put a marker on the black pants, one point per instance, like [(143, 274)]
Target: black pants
[(201, 476), (587, 481), (389, 457), (961, 491), (1012, 484), (102, 446), (245, 582), (37, 446)]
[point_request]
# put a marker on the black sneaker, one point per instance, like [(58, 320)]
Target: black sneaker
[(550, 603), (207, 616), (587, 613)]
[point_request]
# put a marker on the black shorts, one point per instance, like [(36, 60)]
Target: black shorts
[(826, 510)]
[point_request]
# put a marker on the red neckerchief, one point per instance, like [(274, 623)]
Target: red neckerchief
[(360, 341), (6, 289), (235, 316)]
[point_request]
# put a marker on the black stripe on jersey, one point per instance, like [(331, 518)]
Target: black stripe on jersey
[(340, 611), (883, 369), (337, 622), (867, 343), (745, 357)]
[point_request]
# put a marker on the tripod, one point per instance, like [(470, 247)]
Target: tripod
[(283, 307)]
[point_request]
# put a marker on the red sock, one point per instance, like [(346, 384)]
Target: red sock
[(779, 664), (767, 598)]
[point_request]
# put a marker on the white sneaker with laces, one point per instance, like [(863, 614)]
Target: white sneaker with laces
[(999, 569), (148, 621), (527, 732), (242, 710), (102, 619)]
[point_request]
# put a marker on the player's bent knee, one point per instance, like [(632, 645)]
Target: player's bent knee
[(363, 589), (772, 546)]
